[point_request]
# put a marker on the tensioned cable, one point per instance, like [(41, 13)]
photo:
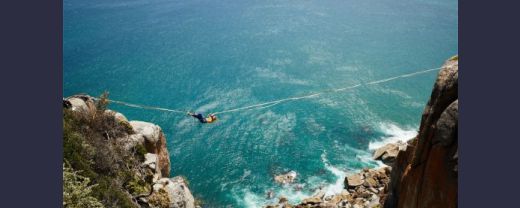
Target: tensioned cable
[(276, 102)]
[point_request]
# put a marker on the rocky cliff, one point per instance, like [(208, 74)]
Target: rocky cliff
[(130, 156), (421, 173), (425, 174)]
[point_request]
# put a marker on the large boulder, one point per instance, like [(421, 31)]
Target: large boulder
[(354, 181), (77, 104), (388, 152), (154, 141), (118, 116), (83, 103), (178, 192), (312, 200), (150, 131)]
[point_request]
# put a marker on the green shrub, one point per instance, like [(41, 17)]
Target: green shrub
[(137, 186), (91, 146), (139, 151), (77, 191), (159, 199)]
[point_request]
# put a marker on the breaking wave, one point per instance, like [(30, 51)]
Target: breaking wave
[(392, 133)]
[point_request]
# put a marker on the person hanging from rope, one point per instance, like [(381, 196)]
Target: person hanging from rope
[(210, 119)]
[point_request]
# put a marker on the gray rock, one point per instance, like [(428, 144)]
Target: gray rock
[(286, 178), (447, 125), (150, 160), (312, 200), (132, 140), (178, 192), (118, 116), (320, 193), (354, 180), (370, 182), (149, 131), (389, 152), (77, 104), (373, 190)]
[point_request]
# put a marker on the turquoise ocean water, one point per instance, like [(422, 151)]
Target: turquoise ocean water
[(210, 56)]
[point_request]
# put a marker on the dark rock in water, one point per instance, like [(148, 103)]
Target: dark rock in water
[(270, 194), (286, 178), (298, 187), (282, 200)]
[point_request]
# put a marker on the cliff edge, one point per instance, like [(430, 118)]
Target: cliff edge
[(124, 163), (421, 173), (425, 174)]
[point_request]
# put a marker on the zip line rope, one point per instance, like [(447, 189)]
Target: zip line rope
[(276, 102)]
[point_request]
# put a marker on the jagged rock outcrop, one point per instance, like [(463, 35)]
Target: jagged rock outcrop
[(425, 174), (163, 191), (388, 153), (154, 141), (178, 192), (83, 103)]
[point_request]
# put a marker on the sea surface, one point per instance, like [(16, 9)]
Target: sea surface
[(209, 56)]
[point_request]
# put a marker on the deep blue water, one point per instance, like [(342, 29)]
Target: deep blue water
[(210, 56)]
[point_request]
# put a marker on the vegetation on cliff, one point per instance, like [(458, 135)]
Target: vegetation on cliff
[(95, 160)]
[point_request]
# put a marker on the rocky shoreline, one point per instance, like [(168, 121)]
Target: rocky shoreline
[(366, 188), (419, 173)]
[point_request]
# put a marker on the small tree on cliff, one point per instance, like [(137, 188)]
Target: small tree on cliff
[(77, 190)]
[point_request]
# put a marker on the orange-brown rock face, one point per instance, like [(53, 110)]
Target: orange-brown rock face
[(155, 142), (163, 156), (425, 175)]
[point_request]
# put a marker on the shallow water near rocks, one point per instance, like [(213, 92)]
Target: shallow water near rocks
[(209, 56)]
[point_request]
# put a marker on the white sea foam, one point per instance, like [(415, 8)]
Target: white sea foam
[(393, 92), (279, 76), (292, 195), (251, 200), (336, 187), (280, 61), (248, 199), (246, 173), (347, 68), (314, 127), (393, 133)]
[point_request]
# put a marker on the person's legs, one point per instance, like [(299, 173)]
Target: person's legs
[(200, 117)]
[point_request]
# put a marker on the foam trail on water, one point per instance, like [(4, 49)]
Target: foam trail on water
[(336, 187), (393, 134)]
